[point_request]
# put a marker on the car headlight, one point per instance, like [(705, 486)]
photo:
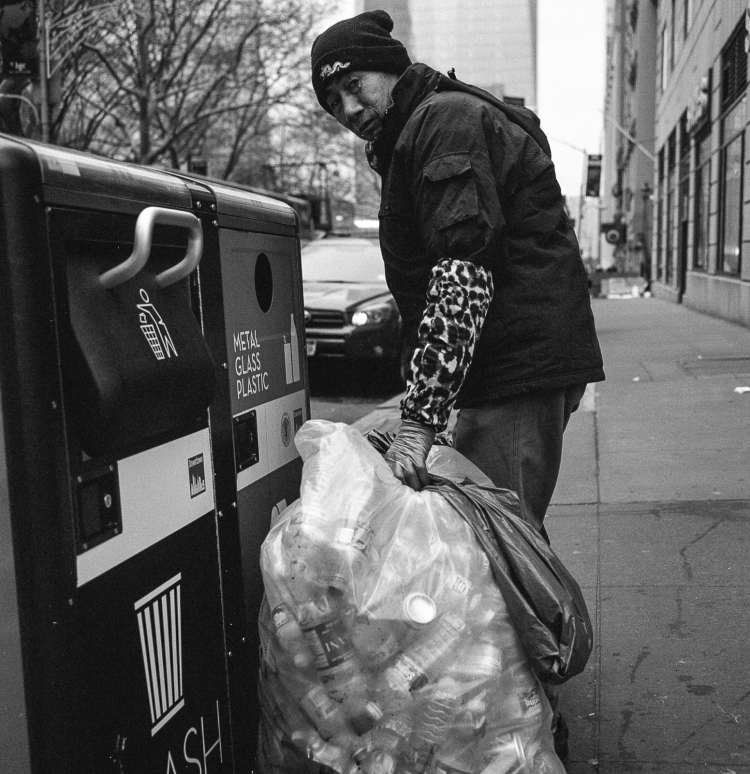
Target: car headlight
[(372, 315)]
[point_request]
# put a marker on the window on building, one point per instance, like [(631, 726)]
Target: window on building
[(732, 156), (733, 67), (732, 153), (664, 58), (702, 201)]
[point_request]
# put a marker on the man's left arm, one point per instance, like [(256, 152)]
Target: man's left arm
[(461, 221), (458, 298)]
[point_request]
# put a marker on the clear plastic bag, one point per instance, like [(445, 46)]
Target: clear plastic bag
[(387, 646)]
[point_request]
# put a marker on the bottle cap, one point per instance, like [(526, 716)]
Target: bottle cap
[(419, 610)]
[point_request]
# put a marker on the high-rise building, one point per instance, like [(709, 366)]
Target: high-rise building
[(490, 43), (398, 11)]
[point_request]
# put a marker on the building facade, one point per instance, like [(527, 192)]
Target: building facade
[(492, 45), (701, 231), (628, 157), (398, 11)]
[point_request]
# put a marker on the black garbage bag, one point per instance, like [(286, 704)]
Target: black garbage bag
[(544, 600)]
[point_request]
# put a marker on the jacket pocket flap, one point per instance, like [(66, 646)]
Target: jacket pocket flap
[(450, 165)]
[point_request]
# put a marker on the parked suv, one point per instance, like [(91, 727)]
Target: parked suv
[(349, 311)]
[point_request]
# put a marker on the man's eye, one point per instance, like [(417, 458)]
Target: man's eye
[(334, 102), (353, 86)]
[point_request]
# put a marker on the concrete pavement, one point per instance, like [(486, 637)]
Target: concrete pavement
[(652, 515)]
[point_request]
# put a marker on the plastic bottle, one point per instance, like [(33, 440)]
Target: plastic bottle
[(456, 594), (415, 666), (505, 755), (374, 639), (471, 719), (481, 659), (324, 628), (515, 700), (290, 637), (338, 758), (333, 546), (378, 761), (433, 724), (455, 757), (311, 699)]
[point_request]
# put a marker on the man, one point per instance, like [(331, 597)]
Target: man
[(475, 240)]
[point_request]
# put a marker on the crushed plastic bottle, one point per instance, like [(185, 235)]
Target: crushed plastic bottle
[(433, 722), (416, 665), (290, 637)]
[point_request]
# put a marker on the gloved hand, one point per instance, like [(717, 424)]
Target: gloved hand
[(408, 453)]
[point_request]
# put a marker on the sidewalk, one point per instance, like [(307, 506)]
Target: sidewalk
[(652, 516)]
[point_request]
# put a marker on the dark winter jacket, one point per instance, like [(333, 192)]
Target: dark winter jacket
[(469, 178)]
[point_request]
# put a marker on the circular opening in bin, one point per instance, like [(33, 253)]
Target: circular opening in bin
[(420, 609), (263, 282)]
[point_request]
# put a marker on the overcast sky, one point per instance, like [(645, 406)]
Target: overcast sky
[(571, 59), (571, 70)]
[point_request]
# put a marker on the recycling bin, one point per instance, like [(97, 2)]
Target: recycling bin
[(251, 287), (150, 386)]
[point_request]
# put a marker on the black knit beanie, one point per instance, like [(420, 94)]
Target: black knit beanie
[(361, 43)]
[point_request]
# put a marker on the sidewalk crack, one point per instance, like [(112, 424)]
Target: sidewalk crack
[(686, 566)]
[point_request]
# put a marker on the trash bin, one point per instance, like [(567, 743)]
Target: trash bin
[(133, 487)]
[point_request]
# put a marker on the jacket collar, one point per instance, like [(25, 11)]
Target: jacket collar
[(410, 90)]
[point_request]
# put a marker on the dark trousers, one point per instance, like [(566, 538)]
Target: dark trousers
[(517, 442)]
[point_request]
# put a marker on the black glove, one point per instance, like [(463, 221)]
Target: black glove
[(408, 453)]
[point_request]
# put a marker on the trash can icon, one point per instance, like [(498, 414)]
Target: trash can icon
[(160, 628)]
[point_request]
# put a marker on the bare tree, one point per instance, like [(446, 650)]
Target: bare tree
[(152, 81)]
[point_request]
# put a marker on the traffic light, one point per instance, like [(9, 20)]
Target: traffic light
[(19, 38), (593, 174)]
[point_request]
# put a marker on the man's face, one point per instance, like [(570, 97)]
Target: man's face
[(359, 100)]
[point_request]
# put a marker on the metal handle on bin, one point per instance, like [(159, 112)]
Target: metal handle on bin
[(144, 229)]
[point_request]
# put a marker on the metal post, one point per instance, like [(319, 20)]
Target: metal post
[(43, 66)]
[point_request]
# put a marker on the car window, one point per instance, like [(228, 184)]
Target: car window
[(331, 261)]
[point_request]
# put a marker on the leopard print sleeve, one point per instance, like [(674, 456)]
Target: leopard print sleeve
[(458, 297)]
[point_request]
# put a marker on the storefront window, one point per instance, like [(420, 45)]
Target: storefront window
[(702, 202), (732, 156)]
